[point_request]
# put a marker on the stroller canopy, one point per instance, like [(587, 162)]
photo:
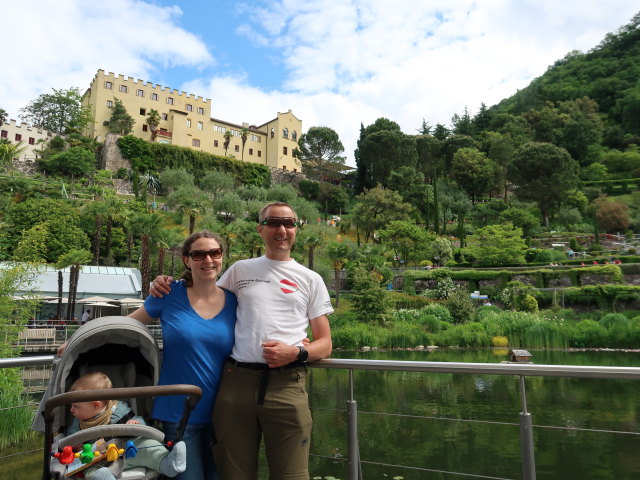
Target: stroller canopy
[(120, 347)]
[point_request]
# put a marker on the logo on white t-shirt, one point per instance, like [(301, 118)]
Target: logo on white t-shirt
[(290, 284)]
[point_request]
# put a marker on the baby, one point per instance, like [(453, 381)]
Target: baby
[(151, 454)]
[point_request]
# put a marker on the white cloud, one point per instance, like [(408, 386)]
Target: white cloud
[(407, 60), (63, 43)]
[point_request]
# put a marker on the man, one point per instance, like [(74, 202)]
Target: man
[(86, 316), (262, 393)]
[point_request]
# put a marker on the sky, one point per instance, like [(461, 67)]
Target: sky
[(334, 63)]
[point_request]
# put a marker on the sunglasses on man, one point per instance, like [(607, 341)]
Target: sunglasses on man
[(286, 222), (200, 255)]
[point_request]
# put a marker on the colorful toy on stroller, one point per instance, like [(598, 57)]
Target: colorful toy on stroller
[(123, 349)]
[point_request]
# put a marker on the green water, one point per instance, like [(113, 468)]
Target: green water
[(410, 439), (399, 423)]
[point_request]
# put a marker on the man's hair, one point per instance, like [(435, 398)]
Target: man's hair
[(263, 210), (91, 381)]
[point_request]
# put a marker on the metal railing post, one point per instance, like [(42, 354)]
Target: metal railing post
[(352, 434), (526, 437)]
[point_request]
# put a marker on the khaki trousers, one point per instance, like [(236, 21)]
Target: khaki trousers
[(283, 420)]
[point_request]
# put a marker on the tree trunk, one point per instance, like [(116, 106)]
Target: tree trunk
[(161, 254), (145, 266), (107, 247), (96, 241), (311, 250), (129, 249), (436, 220), (76, 278), (192, 223), (60, 282)]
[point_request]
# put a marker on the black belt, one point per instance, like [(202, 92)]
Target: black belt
[(264, 378)]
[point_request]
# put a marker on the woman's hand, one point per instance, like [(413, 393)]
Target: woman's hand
[(61, 349)]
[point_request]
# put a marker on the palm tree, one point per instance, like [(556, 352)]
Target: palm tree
[(227, 141), (113, 211), (96, 210), (338, 253), (9, 151), (153, 120), (146, 226), (310, 238), (166, 240), (189, 200), (243, 137), (73, 259)]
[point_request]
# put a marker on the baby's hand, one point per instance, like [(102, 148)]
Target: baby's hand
[(133, 421)]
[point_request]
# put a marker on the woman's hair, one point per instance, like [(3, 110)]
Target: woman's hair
[(92, 381), (186, 249)]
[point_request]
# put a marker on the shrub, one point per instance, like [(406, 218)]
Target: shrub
[(500, 341), (460, 306), (527, 303), (371, 302), (439, 311), (403, 300)]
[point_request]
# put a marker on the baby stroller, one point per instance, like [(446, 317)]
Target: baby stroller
[(124, 350)]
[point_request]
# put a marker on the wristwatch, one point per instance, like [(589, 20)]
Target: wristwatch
[(303, 355)]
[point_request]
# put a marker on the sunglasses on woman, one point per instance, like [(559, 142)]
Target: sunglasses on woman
[(199, 255), (286, 222)]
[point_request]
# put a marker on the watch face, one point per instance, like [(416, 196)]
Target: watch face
[(303, 355)]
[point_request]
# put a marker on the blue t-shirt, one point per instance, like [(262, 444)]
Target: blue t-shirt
[(193, 352)]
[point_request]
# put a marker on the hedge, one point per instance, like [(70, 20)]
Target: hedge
[(146, 156)]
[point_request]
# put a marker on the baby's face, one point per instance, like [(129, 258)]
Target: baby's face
[(86, 410)]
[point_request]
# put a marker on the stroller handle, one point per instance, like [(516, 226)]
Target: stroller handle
[(193, 395)]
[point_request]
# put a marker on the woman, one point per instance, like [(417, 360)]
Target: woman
[(197, 320)]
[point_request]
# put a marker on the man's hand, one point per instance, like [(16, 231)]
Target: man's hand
[(278, 354), (133, 421), (161, 286)]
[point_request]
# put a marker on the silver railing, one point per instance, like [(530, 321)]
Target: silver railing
[(512, 369)]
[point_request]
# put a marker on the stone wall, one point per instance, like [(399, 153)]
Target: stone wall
[(111, 158), (279, 177)]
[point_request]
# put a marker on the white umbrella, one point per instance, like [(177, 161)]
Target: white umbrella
[(129, 300), (64, 300), (94, 299)]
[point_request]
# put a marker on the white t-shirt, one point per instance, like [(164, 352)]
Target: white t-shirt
[(85, 317), (276, 300)]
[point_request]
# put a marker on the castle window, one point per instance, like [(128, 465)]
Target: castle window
[(124, 89), (219, 129), (285, 133), (145, 127), (295, 169), (284, 167), (294, 137), (108, 85), (18, 137), (284, 150), (251, 151), (165, 116), (273, 132), (3, 134), (188, 123), (143, 111), (154, 96), (259, 153), (237, 148), (32, 141), (215, 143), (140, 92), (189, 107), (195, 142), (170, 100), (109, 104), (201, 110), (200, 126)]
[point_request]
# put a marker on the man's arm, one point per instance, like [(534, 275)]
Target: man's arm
[(279, 354)]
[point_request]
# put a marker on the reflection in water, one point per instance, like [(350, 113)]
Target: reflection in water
[(425, 432)]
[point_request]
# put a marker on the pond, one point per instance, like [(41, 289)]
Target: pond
[(433, 423)]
